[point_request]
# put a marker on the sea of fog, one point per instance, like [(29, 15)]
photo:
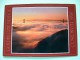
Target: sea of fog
[(30, 33)]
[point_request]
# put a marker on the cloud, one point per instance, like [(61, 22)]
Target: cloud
[(34, 27)]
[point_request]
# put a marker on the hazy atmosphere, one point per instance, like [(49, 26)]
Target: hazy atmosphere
[(33, 24)]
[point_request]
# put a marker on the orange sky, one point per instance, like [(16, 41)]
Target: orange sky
[(39, 13)]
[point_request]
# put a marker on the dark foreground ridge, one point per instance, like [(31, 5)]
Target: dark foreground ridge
[(57, 42)]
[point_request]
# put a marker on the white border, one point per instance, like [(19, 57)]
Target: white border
[(43, 53)]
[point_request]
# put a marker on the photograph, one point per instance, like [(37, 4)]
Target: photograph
[(40, 30)]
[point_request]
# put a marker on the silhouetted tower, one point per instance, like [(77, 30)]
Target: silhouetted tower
[(63, 20), (23, 20)]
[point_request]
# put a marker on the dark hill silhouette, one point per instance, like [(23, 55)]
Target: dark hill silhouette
[(57, 42)]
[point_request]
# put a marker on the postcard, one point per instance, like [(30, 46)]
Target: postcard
[(40, 30)]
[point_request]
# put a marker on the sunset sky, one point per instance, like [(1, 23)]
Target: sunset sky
[(39, 13)]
